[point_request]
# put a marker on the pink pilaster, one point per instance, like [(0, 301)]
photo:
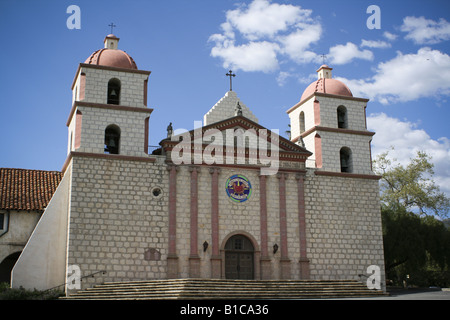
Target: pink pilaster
[(216, 261), (284, 260), (194, 259), (265, 259), (304, 261), (172, 258)]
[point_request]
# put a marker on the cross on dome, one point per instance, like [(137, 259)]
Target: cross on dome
[(112, 25)]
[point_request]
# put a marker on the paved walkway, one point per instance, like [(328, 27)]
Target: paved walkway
[(419, 294)]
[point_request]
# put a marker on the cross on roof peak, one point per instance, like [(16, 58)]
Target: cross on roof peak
[(230, 74)]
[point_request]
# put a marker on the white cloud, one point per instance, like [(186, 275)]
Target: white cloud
[(253, 56), (282, 78), (296, 44), (341, 54), (375, 44), (406, 77), (407, 138), (426, 31), (389, 36), (265, 19), (255, 37)]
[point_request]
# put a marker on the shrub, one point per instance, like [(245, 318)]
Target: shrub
[(7, 293)]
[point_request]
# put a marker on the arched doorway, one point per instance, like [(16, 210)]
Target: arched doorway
[(239, 258), (7, 265)]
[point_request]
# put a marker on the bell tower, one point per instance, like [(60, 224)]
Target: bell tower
[(331, 123), (109, 112)]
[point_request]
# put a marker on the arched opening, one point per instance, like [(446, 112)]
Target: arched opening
[(112, 139), (7, 265), (302, 122), (345, 156), (342, 117), (239, 258), (239, 138), (113, 91)]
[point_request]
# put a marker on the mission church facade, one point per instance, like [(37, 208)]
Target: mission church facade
[(308, 210)]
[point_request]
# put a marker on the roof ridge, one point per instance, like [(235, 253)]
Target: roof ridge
[(25, 169)]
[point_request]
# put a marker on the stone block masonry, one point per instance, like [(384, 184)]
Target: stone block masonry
[(116, 220), (117, 224), (132, 91), (344, 231), (95, 120), (225, 109)]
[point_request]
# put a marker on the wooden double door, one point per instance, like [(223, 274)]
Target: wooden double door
[(239, 258)]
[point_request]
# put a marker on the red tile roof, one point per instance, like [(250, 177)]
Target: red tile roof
[(23, 189)]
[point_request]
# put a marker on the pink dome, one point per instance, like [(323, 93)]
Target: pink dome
[(111, 58), (330, 86)]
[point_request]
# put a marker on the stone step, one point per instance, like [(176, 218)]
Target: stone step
[(230, 284), (225, 289)]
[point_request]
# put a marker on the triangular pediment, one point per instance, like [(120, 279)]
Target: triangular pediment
[(229, 131), (227, 107)]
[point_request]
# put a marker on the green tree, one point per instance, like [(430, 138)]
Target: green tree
[(411, 186), (415, 246), (415, 242)]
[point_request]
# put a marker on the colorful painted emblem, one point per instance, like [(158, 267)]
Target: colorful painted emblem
[(239, 188)]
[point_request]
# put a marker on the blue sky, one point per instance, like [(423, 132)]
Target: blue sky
[(273, 47)]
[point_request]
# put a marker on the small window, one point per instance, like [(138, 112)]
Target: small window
[(345, 155), (238, 244), (112, 139), (342, 117), (113, 91), (157, 192)]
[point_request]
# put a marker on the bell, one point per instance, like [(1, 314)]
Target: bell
[(113, 92), (112, 143)]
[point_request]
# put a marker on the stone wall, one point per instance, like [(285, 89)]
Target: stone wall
[(96, 86), (332, 142), (117, 223), (344, 231), (225, 109), (236, 218), (356, 117), (94, 122)]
